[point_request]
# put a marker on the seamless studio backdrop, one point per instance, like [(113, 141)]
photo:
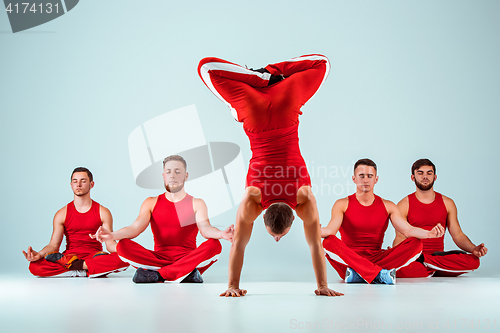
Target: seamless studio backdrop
[(409, 79)]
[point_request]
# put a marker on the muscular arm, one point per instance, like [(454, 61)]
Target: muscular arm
[(133, 230), (107, 222), (336, 219), (461, 239), (403, 210), (308, 212), (55, 239), (203, 223), (248, 211), (407, 230)]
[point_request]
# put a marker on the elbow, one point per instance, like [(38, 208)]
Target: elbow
[(407, 233)]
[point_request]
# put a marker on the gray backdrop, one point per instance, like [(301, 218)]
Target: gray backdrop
[(409, 79)]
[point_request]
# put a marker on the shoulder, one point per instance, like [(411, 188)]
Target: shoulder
[(389, 205), (198, 203), (252, 190), (150, 202), (341, 204), (60, 215), (449, 203), (253, 193), (404, 202), (103, 211)]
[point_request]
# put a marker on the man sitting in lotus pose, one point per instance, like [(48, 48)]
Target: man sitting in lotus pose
[(175, 218), (77, 220), (424, 208)]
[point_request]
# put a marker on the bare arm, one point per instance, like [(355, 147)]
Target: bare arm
[(55, 239), (133, 230), (107, 222), (403, 206), (203, 223), (407, 230), (461, 239), (308, 212), (248, 211), (336, 219)]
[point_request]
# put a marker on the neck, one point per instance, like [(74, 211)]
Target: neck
[(175, 197), (365, 198), (82, 203), (425, 196)]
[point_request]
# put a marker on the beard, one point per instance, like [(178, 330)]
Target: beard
[(174, 189), (423, 187), (81, 194)]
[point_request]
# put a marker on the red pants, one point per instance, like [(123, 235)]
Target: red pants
[(449, 264), (173, 265), (369, 263), (98, 266)]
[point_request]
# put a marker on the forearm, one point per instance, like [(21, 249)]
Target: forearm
[(416, 232), (319, 264), (211, 232), (111, 246), (125, 233), (48, 249), (312, 233), (325, 232), (236, 255), (464, 243)]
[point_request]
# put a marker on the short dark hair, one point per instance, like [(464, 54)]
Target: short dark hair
[(278, 217), (175, 158), (82, 169), (420, 163), (364, 161)]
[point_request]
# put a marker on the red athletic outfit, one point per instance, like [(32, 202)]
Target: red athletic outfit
[(270, 117), (362, 231), (175, 253), (77, 227), (452, 263)]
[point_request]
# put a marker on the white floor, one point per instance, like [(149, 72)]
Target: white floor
[(116, 304)]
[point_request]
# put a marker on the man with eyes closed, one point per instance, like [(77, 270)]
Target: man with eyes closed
[(424, 208), (175, 218)]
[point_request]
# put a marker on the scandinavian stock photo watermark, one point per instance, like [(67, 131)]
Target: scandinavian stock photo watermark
[(325, 180), (401, 325)]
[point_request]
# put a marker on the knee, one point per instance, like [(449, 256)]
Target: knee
[(206, 61), (213, 246), (34, 268), (123, 246), (475, 262), (414, 243), (329, 242)]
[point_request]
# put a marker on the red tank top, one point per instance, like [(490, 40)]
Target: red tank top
[(78, 226), (277, 167), (426, 216), (174, 224), (363, 227)]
